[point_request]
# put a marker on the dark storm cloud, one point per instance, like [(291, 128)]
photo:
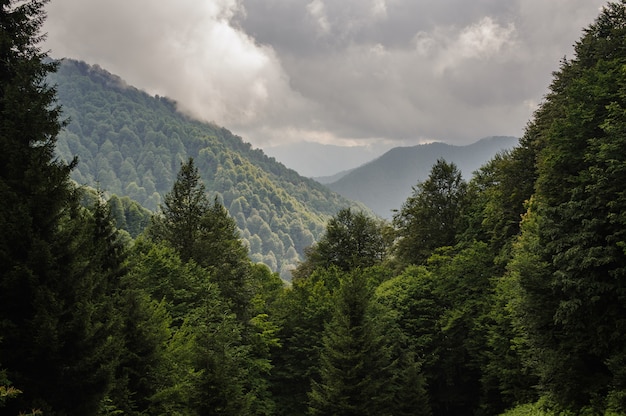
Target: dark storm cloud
[(333, 71)]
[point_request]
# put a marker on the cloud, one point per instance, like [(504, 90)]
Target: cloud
[(332, 71), (187, 50), (317, 10)]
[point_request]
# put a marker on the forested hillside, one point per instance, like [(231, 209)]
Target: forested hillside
[(131, 144), (385, 182), (504, 294)]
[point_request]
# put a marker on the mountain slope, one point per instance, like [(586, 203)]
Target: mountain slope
[(386, 182), (132, 144)]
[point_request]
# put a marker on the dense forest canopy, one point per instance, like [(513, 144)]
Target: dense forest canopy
[(503, 293), (131, 144)]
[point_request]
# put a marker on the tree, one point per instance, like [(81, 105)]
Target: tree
[(222, 252), (301, 313), (576, 227), (429, 218), (355, 367), (184, 206), (59, 264), (205, 233), (497, 195), (351, 240)]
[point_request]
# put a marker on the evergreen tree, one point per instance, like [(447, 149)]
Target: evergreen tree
[(204, 232), (301, 313), (223, 253), (355, 367), (59, 264), (184, 206)]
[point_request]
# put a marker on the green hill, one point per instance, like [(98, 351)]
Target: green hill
[(386, 182), (131, 144)]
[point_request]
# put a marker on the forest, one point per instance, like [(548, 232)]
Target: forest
[(130, 146), (501, 294)]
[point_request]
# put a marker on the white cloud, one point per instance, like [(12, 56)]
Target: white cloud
[(482, 40), (187, 50), (379, 8), (317, 10), (338, 71)]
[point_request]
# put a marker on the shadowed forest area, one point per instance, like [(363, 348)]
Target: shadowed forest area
[(501, 294)]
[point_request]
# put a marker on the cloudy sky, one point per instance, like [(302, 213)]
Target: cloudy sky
[(333, 71)]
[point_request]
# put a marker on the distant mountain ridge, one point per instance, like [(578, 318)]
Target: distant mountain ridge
[(131, 144), (387, 181)]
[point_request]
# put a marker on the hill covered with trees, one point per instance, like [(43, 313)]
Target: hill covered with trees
[(131, 144), (504, 294)]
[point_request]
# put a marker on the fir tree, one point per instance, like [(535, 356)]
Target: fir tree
[(59, 263), (355, 368)]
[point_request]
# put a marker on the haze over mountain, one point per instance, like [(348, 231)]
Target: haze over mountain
[(386, 182), (315, 159)]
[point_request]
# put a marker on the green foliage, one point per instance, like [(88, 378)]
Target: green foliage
[(301, 313), (131, 145), (129, 215), (496, 197), (59, 263), (351, 240), (575, 225), (355, 362), (205, 233), (504, 293), (429, 218)]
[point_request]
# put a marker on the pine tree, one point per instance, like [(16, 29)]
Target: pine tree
[(203, 232), (355, 369), (56, 274), (184, 206)]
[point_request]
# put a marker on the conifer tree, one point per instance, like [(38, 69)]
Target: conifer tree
[(203, 232), (184, 206), (355, 368), (58, 262)]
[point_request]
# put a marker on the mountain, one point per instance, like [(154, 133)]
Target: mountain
[(129, 143), (386, 182)]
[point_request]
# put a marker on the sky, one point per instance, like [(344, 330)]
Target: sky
[(340, 72)]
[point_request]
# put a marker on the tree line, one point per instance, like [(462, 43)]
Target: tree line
[(503, 294)]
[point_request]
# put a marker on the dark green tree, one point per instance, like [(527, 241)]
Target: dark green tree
[(355, 362), (301, 313), (351, 240), (496, 199), (205, 233), (576, 227), (180, 220), (430, 217), (59, 263), (221, 251)]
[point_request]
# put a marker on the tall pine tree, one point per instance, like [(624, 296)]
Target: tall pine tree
[(58, 262), (355, 368)]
